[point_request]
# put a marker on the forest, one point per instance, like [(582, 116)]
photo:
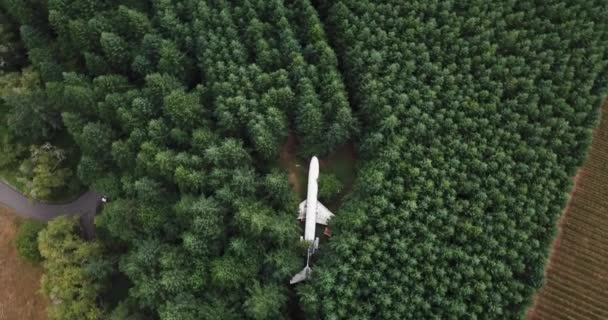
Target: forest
[(475, 118), (468, 118)]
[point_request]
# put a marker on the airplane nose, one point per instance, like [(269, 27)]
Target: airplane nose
[(314, 166), (313, 169)]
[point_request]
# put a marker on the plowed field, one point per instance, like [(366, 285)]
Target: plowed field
[(577, 273)]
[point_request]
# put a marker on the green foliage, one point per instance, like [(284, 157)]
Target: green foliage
[(70, 280), (474, 117), (26, 241), (42, 58), (329, 186), (115, 49), (12, 151), (265, 302), (133, 23), (27, 117), (13, 83), (183, 109), (277, 185), (27, 12), (42, 172), (12, 53), (123, 312), (30, 117)]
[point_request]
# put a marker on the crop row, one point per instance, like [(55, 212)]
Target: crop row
[(577, 280)]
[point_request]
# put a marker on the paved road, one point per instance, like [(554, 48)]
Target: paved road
[(86, 207)]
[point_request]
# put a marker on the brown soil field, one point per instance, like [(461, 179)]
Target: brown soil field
[(576, 276), (19, 280)]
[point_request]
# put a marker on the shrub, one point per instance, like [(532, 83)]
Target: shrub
[(27, 240), (329, 186)]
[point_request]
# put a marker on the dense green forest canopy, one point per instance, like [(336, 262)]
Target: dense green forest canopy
[(179, 110), (474, 116), (469, 117)]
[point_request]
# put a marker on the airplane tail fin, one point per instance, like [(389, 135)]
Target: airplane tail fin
[(305, 273), (301, 276)]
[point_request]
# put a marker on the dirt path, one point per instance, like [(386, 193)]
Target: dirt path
[(19, 280), (85, 206), (289, 162)]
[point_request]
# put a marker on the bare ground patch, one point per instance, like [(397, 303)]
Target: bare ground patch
[(19, 280), (289, 162), (340, 162)]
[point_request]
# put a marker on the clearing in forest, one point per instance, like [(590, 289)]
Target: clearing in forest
[(19, 280), (296, 170), (576, 279), (340, 163)]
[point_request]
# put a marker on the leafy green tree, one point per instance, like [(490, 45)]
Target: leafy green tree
[(24, 11), (12, 83), (12, 146), (30, 117), (12, 53), (184, 109), (115, 49), (230, 153), (123, 312), (42, 173), (265, 302), (96, 139), (204, 220), (26, 241), (132, 23), (277, 186), (89, 169), (432, 105), (471, 120), (329, 186), (66, 281), (43, 59)]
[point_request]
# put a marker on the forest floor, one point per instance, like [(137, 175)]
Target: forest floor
[(576, 279), (19, 280), (341, 163), (296, 171)]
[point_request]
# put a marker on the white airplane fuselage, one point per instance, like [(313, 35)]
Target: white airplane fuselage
[(311, 200), (312, 212)]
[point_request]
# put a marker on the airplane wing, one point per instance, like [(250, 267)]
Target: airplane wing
[(302, 210), (323, 214)]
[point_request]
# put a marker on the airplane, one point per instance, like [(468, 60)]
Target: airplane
[(312, 212)]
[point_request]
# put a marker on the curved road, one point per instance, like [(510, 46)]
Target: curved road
[(85, 206)]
